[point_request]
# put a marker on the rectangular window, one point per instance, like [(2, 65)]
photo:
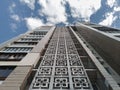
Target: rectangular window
[(11, 56), (117, 36), (39, 33), (4, 72), (107, 29), (24, 43), (30, 39), (17, 49)]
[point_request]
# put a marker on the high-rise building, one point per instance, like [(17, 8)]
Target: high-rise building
[(80, 57)]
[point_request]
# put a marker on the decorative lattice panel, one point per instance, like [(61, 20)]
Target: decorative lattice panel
[(61, 67)]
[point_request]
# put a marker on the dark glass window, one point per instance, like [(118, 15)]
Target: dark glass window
[(5, 71)]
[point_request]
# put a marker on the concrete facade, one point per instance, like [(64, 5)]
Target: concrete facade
[(55, 58), (105, 43)]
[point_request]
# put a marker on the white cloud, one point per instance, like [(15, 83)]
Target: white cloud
[(29, 3), (53, 10), (111, 3), (13, 27), (109, 19), (84, 8), (15, 17), (11, 8), (32, 23), (117, 9)]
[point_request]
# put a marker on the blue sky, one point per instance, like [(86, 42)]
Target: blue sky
[(19, 16)]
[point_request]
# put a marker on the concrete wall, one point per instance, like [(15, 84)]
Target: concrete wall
[(107, 47), (18, 78)]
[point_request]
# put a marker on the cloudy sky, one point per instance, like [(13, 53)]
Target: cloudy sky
[(19, 16)]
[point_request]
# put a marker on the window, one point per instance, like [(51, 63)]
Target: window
[(39, 33), (11, 56), (117, 36), (5, 71), (25, 43), (35, 36), (107, 29), (17, 49), (30, 39)]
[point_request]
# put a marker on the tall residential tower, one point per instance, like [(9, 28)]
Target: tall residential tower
[(81, 57)]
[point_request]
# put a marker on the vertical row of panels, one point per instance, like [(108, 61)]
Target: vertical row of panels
[(61, 67)]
